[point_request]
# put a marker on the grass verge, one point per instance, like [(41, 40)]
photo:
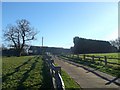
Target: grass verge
[(70, 84)]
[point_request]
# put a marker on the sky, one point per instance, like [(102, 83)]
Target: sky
[(59, 22)]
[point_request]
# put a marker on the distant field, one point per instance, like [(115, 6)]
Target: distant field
[(109, 55), (25, 72), (113, 55)]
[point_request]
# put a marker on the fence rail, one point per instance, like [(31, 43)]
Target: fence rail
[(55, 72), (102, 59), (105, 59)]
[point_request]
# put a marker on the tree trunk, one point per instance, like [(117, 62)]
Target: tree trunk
[(18, 53)]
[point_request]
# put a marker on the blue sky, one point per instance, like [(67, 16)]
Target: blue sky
[(59, 22)]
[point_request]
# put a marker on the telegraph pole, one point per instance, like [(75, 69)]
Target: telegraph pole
[(42, 41)]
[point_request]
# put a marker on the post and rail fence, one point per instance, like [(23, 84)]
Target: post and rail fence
[(55, 72), (102, 59), (105, 59)]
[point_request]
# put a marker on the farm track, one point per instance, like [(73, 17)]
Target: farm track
[(87, 79)]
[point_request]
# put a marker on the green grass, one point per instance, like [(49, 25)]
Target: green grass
[(109, 68), (109, 55), (68, 81), (25, 72), (113, 55)]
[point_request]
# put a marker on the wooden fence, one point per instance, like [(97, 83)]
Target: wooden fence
[(55, 72), (102, 59), (106, 60)]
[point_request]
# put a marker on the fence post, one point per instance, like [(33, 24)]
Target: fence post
[(77, 56), (58, 69), (71, 56), (52, 61), (84, 56), (105, 60), (93, 58), (100, 60)]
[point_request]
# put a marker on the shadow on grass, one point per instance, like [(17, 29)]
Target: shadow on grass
[(47, 79), (16, 70), (91, 64), (26, 75)]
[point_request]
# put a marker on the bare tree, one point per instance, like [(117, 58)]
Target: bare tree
[(19, 35)]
